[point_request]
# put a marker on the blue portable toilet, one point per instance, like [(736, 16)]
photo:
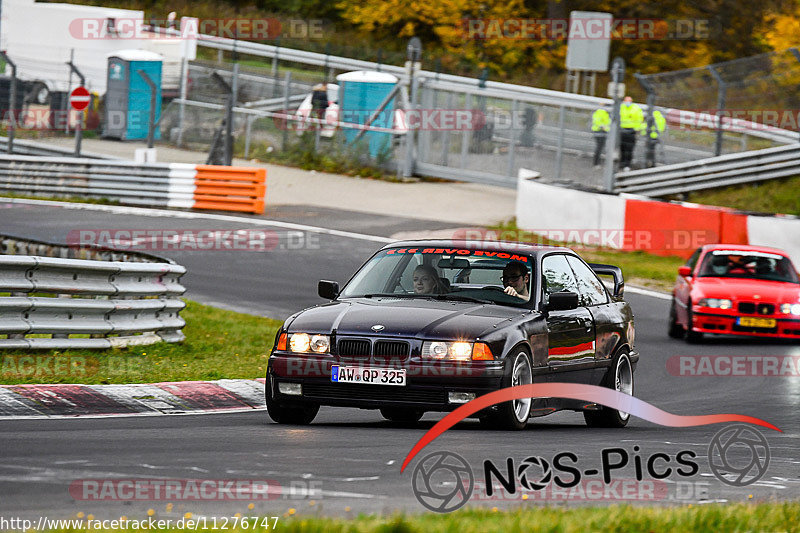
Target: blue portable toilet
[(127, 104), (360, 94)]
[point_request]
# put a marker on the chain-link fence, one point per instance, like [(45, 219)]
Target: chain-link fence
[(761, 91), (505, 130)]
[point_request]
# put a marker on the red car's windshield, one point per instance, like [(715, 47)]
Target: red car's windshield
[(746, 264)]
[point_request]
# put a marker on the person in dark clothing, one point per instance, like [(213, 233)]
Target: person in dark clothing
[(319, 101)]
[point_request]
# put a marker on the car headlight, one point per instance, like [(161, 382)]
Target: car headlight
[(716, 303), (456, 351), (790, 309), (305, 343)]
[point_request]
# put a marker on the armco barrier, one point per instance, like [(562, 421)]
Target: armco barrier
[(12, 245), (712, 172), (630, 222), (153, 184), (115, 303)]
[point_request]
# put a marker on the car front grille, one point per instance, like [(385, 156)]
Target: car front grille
[(391, 348), (354, 347), (347, 391), (752, 308)]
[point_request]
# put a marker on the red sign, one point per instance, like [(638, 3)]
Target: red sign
[(79, 98)]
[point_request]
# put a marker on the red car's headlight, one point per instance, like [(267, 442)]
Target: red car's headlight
[(790, 309), (715, 303)]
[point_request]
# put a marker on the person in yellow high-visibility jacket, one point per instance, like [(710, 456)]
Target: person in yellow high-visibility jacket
[(601, 125), (655, 130), (631, 120)]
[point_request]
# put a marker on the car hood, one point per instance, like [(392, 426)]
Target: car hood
[(747, 289), (405, 318)]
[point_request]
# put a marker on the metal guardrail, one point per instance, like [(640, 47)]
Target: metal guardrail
[(151, 184), (123, 181), (26, 147), (105, 303), (13, 245), (722, 171)]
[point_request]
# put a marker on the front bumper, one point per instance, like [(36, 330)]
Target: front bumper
[(725, 323), (427, 383)]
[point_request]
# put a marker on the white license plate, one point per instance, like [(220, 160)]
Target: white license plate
[(368, 375)]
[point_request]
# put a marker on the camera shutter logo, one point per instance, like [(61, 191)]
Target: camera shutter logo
[(738, 455), (443, 482), (527, 476)]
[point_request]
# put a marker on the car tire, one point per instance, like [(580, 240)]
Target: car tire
[(619, 377), (400, 415), (40, 94), (674, 330), (513, 415), (692, 337), (283, 414)]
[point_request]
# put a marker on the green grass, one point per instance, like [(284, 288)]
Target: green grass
[(774, 196), (707, 518), (711, 518), (219, 344), (638, 268)]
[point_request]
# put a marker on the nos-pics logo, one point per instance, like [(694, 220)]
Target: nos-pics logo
[(443, 481)]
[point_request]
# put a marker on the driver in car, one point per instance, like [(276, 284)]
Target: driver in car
[(516, 280)]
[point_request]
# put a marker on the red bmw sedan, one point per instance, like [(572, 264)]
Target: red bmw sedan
[(734, 289)]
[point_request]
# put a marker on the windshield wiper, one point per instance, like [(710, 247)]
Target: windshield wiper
[(393, 295)]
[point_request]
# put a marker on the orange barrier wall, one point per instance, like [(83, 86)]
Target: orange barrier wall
[(664, 228), (230, 188)]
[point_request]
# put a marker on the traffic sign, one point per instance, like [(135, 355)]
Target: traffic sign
[(79, 98)]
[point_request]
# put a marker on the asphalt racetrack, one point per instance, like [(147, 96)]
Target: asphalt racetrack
[(348, 461)]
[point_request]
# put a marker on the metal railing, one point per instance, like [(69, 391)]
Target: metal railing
[(558, 143), (50, 302), (450, 82), (27, 147), (13, 245), (722, 171), (150, 184), (123, 181)]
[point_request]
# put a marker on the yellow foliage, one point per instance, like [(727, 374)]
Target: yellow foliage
[(782, 30)]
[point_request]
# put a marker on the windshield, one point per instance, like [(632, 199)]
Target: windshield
[(447, 274), (746, 264)]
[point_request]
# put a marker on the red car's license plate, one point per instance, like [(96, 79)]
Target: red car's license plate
[(752, 322)]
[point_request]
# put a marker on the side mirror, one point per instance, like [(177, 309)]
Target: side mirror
[(613, 271), (562, 301), (328, 289), (685, 271)]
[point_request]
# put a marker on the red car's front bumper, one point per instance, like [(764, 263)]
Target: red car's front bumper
[(728, 322)]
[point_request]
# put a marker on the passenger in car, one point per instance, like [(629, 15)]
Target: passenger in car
[(427, 281), (516, 280)]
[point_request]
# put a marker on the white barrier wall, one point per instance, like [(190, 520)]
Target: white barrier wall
[(778, 232), (548, 210), (568, 215)]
